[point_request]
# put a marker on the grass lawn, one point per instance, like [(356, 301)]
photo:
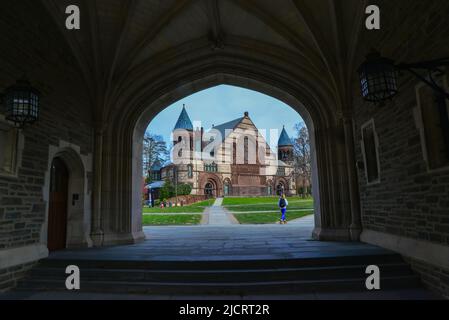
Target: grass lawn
[(171, 219), (265, 204), (193, 208), (261, 200), (268, 218), (253, 200)]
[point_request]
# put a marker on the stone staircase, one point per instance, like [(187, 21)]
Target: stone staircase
[(227, 277)]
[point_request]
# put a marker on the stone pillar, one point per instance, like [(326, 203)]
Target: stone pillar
[(333, 221), (118, 219), (97, 233), (356, 226)]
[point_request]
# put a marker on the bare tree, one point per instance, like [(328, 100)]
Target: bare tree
[(302, 157), (155, 152)]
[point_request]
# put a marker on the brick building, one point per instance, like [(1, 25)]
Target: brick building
[(232, 159)]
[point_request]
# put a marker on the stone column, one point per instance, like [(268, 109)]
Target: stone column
[(330, 222), (355, 227), (97, 232)]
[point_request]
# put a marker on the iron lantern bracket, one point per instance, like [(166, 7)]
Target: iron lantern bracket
[(432, 67)]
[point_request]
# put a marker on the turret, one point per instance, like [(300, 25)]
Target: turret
[(183, 125), (285, 147)]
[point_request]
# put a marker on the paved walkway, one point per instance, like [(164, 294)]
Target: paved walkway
[(218, 216), (217, 243), (273, 211), (232, 242), (307, 221), (170, 213)]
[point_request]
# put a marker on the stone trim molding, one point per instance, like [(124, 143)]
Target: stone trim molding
[(22, 255), (79, 165), (432, 253), (376, 145), (419, 122), (18, 149)]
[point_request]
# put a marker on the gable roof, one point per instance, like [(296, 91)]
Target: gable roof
[(226, 129), (184, 121)]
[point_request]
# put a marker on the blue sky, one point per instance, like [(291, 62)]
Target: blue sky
[(224, 103)]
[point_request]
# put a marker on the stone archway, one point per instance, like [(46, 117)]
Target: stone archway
[(281, 187), (206, 179), (121, 147), (210, 190)]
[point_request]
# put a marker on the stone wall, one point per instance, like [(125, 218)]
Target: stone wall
[(10, 276), (65, 116), (434, 278), (409, 201)]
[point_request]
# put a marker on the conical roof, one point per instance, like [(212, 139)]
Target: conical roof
[(184, 121), (284, 139)]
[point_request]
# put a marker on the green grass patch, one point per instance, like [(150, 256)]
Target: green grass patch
[(262, 201), (293, 204), (206, 203), (171, 220), (253, 200), (193, 208), (268, 218)]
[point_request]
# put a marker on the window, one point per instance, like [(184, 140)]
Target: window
[(190, 171), (227, 188), (245, 152), (211, 167), (434, 114), (370, 151), (281, 171), (9, 146)]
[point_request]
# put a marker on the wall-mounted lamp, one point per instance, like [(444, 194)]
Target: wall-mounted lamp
[(21, 103), (378, 76)]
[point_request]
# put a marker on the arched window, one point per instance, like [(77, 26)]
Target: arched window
[(280, 189), (227, 188), (246, 141), (209, 190)]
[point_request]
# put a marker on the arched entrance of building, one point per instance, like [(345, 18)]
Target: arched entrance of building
[(280, 189), (57, 211), (121, 144), (225, 189), (209, 190)]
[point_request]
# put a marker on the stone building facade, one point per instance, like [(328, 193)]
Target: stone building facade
[(232, 159), (101, 86)]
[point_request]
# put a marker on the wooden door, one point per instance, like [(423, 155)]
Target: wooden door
[(57, 212)]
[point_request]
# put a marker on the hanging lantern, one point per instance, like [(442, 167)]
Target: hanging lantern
[(21, 103), (378, 78)]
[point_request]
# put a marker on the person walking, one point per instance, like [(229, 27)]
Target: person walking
[(283, 203)]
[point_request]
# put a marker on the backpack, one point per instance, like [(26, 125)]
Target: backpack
[(282, 203)]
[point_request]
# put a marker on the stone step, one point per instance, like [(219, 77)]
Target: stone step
[(217, 288), (228, 264), (225, 275), (242, 277)]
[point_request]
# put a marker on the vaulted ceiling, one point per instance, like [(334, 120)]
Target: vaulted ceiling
[(120, 38)]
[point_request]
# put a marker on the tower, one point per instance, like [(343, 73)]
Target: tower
[(285, 147), (183, 132)]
